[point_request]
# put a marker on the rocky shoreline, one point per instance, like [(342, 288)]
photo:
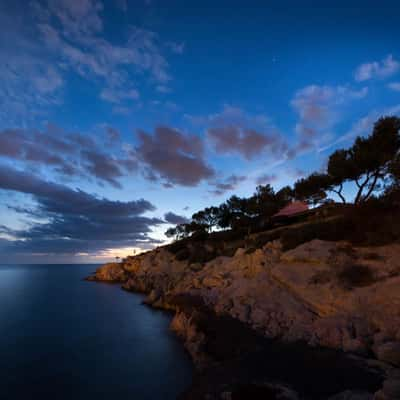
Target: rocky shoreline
[(321, 321)]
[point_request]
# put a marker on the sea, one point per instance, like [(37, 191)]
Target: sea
[(62, 337)]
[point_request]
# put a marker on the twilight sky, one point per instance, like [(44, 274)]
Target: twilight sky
[(120, 117)]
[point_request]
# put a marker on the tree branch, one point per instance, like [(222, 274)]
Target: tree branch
[(339, 193), (361, 188), (373, 185)]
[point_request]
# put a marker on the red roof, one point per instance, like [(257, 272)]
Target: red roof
[(297, 207)]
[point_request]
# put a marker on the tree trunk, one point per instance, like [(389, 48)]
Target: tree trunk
[(361, 188), (373, 184)]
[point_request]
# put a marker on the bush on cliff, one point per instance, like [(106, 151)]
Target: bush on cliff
[(374, 223), (355, 275), (331, 230)]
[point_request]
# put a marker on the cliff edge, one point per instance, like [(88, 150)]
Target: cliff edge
[(318, 296)]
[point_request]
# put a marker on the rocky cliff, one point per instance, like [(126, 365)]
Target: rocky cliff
[(326, 295)]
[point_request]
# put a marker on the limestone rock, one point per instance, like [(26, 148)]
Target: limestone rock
[(280, 294), (112, 272), (315, 251), (153, 296), (213, 281), (185, 328)]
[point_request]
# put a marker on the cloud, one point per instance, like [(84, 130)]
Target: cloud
[(113, 95), (75, 221), (248, 143), (19, 144), (394, 86), (363, 126), (121, 110), (266, 178), (122, 5), (303, 145), (113, 134), (230, 115), (70, 37), (319, 108), (77, 17), (234, 131), (70, 154), (177, 48), (175, 219), (174, 156), (377, 69), (297, 173), (163, 89), (49, 82), (316, 105), (171, 106), (28, 86), (104, 167), (229, 184)]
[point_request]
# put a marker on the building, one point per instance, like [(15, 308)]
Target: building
[(291, 213)]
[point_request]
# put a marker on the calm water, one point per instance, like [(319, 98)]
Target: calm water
[(64, 338)]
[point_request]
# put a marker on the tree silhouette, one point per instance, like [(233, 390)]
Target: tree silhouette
[(178, 232), (208, 217), (372, 163), (367, 164), (340, 168), (394, 171), (313, 188)]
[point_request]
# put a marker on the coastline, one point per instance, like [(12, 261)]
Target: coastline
[(242, 351)]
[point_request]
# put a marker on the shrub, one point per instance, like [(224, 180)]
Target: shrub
[(227, 235), (199, 236), (262, 239), (182, 254), (250, 250), (177, 246), (355, 275), (375, 223), (370, 224), (331, 230), (201, 256)]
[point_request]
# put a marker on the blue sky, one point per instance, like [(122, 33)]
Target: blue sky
[(118, 117)]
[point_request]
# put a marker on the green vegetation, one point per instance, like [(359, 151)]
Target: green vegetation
[(348, 276), (355, 275), (371, 164), (239, 214)]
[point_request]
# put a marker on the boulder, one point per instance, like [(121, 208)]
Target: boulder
[(315, 251)]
